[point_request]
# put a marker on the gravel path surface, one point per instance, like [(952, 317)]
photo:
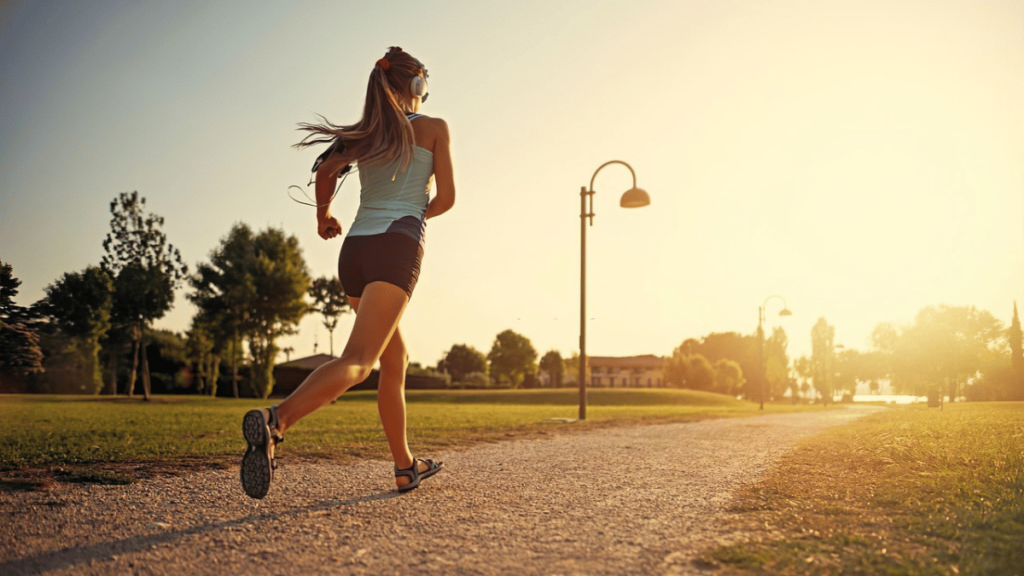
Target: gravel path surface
[(631, 500)]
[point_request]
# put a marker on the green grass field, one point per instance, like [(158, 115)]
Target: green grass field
[(48, 431), (911, 490)]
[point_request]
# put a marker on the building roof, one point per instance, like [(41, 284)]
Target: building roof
[(309, 362), (644, 360)]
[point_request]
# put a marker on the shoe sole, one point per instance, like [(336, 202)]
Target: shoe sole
[(257, 471)]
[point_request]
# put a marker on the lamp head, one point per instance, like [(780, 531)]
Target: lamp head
[(634, 198), (785, 312)]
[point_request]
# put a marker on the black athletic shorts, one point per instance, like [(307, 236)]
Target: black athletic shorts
[(390, 257)]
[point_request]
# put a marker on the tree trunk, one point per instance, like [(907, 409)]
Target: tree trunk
[(234, 366), (145, 375), (112, 366), (212, 374), (136, 340)]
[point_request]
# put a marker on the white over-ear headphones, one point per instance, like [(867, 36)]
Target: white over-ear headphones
[(418, 87)]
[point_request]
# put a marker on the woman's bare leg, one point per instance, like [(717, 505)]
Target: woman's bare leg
[(391, 399), (391, 403), (380, 309)]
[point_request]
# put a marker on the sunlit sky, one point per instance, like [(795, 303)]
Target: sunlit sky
[(862, 159)]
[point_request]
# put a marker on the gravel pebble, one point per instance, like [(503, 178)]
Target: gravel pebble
[(629, 500)]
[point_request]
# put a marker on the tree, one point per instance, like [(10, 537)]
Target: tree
[(462, 360), (571, 369), (20, 353), (222, 290), (10, 311), (804, 372), (204, 364), (823, 339), (686, 369), (551, 363), (253, 288), (945, 348), (79, 304), (329, 300), (849, 370), (1015, 339), (739, 348), (777, 362), (728, 377), (281, 280), (512, 358), (146, 270)]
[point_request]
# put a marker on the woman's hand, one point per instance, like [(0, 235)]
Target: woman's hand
[(327, 226)]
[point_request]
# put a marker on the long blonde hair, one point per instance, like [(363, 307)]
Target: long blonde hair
[(383, 134)]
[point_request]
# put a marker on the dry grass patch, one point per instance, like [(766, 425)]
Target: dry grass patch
[(906, 491)]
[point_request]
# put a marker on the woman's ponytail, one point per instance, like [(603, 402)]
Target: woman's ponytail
[(384, 134)]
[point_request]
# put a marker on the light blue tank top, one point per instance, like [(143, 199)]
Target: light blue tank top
[(395, 200)]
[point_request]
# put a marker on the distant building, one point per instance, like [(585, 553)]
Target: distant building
[(643, 371)]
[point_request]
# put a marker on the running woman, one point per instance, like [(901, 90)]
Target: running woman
[(400, 154)]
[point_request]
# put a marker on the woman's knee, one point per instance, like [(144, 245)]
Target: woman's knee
[(395, 360), (352, 369)]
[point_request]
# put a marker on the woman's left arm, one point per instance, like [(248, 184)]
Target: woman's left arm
[(327, 226)]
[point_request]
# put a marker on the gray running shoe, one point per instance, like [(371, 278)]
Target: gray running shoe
[(258, 462)]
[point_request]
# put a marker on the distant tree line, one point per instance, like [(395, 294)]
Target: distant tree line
[(78, 338), (92, 332), (958, 351)]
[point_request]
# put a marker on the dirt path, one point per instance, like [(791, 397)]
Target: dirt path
[(636, 500)]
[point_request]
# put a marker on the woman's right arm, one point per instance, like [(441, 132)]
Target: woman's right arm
[(326, 181), (444, 178)]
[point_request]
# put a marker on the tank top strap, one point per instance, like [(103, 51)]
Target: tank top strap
[(413, 115)]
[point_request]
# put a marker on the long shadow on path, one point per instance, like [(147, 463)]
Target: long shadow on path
[(69, 557)]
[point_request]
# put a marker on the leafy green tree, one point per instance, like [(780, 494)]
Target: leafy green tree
[(733, 346), (823, 338), (329, 300), (853, 367), (571, 369), (849, 370), (475, 380), (699, 373), (462, 360), (945, 347), (728, 377), (551, 363), (146, 269), (687, 369), (222, 290), (777, 362), (254, 286), (20, 353), (281, 280), (512, 358), (203, 364), (800, 385), (114, 346), (1015, 339), (9, 311), (79, 304)]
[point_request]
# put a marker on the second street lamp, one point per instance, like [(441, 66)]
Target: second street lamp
[(760, 342), (633, 198)]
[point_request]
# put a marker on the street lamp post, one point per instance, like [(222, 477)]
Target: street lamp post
[(633, 198), (760, 341)]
